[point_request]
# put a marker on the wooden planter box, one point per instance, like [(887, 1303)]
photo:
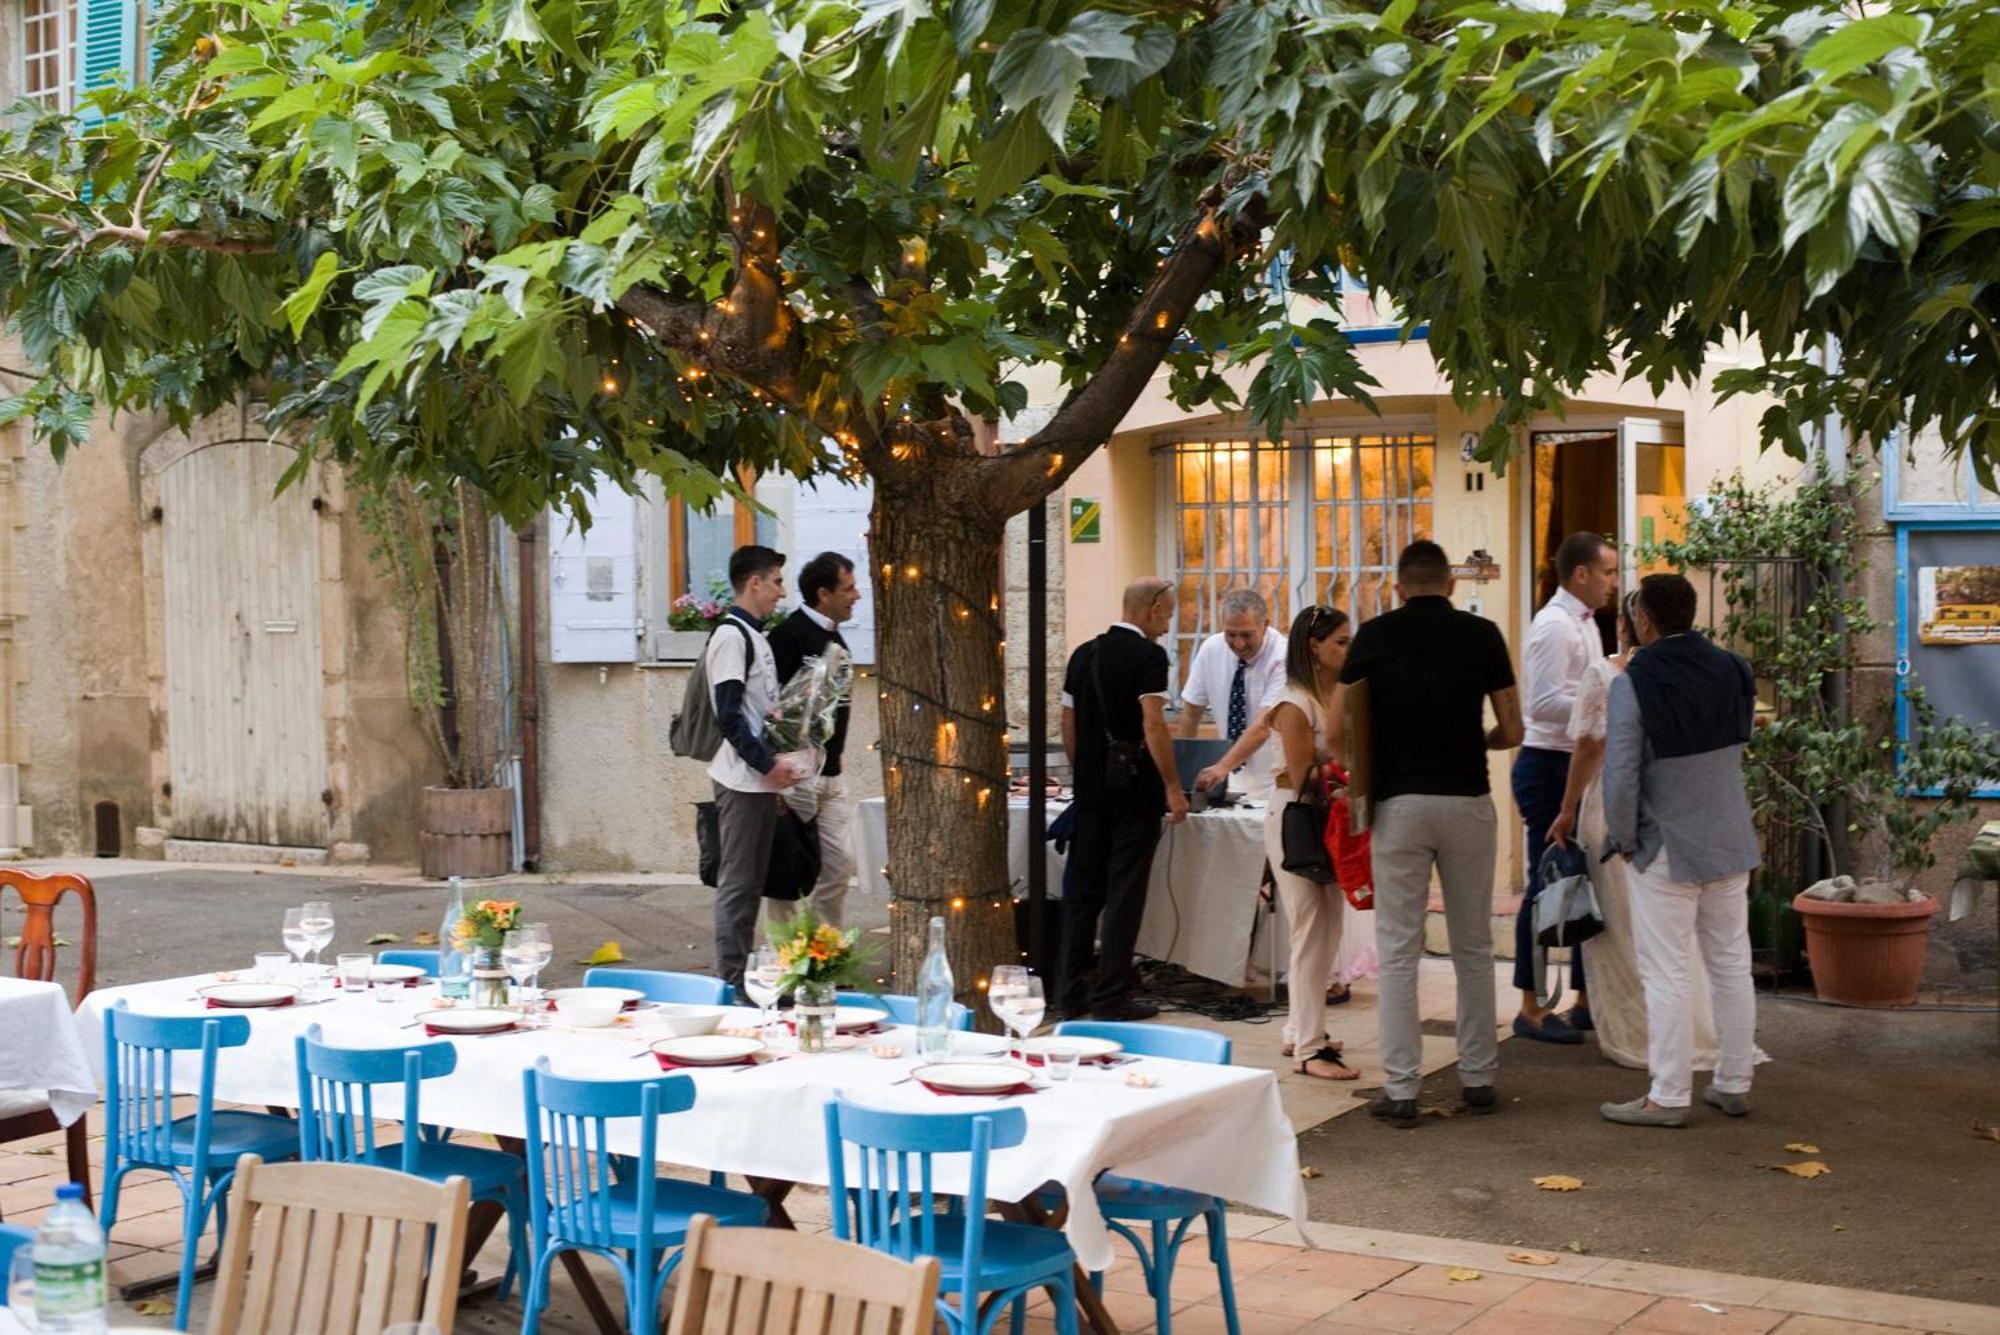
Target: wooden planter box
[(681, 646), (466, 832)]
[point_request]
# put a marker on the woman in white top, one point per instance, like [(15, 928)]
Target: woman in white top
[(1617, 997), (1310, 735)]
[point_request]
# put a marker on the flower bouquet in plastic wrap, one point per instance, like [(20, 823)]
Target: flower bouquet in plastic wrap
[(802, 719)]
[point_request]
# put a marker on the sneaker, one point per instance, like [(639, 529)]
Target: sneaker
[(1636, 1113), (1731, 1105), (1552, 1029), (1399, 1113), (1127, 1010), (1480, 1100)]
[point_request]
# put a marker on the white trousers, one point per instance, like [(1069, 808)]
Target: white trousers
[(1315, 913), (824, 799), (1670, 919)]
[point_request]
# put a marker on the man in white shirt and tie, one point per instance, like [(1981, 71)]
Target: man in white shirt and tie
[(1562, 643), (1239, 673)]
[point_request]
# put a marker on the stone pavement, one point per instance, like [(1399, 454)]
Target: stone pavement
[(1350, 1281)]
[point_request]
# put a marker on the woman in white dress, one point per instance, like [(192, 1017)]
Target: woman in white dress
[(1617, 997), (1310, 735)]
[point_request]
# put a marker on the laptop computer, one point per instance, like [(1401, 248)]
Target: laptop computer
[(1192, 755)]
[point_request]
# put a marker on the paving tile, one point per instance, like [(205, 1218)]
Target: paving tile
[(1500, 1321), (1342, 1269), (1833, 1325), (1683, 1316), (1249, 1258), (1404, 1314), (1895, 1310), (1585, 1301), (1207, 1319), (1291, 1295), (1710, 1286), (1435, 1281)]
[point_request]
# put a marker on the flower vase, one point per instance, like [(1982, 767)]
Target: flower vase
[(813, 1014), (489, 978)]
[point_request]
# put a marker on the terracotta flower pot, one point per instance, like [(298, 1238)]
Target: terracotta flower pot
[(1866, 954)]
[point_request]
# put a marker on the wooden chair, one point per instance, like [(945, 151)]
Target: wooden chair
[(339, 1249), (23, 1113), (737, 1281)]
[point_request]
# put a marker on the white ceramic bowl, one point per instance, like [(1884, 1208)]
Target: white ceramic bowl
[(689, 1021), (585, 1011)]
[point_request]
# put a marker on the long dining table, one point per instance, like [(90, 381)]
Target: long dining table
[(1215, 1129)]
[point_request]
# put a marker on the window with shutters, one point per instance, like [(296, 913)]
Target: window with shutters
[(48, 52)]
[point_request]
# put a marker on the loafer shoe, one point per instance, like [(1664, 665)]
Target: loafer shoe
[(1552, 1029), (1127, 1011), (1731, 1105), (1399, 1113), (1480, 1100), (1636, 1113), (1578, 1018)]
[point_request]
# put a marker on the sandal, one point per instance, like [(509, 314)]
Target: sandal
[(1285, 1050), (1327, 1054), (1339, 995)]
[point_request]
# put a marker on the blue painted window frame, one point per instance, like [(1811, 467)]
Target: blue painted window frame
[(1975, 510), (1971, 523)]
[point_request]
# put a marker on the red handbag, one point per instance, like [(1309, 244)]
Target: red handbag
[(1353, 865)]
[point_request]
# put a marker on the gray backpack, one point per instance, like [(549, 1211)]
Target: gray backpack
[(695, 732)]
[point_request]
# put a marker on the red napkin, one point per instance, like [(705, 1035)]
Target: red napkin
[(215, 1005), (792, 1027), (432, 1031), (669, 1064), (1105, 1059), (1023, 1088), (632, 1005)]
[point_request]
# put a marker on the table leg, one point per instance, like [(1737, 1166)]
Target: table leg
[(774, 1190), (1088, 1302)]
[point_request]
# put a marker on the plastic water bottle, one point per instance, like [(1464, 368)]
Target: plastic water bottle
[(454, 965), (934, 993), (69, 1267)]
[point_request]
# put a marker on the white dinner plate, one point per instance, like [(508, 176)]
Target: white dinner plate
[(973, 1077), (393, 973), (858, 1017), (471, 1020), (708, 1049), (629, 998), (245, 996), (1086, 1049)]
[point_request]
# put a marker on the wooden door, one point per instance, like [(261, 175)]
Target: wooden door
[(246, 739)]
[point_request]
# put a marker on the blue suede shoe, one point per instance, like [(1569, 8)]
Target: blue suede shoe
[(1552, 1029), (1579, 1019)]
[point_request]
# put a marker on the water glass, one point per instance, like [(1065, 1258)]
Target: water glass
[(1060, 1063), (273, 966), (354, 971)]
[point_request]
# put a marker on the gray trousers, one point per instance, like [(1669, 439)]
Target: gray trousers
[(746, 824), (1456, 835)]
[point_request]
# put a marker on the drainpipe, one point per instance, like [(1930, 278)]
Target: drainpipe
[(1833, 458), (528, 693)]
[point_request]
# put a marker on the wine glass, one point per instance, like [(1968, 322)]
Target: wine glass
[(521, 954), (760, 979), (298, 940), (1007, 982), (1025, 1009), (537, 935), (318, 920)]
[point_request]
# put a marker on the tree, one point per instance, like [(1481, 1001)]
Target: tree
[(534, 243)]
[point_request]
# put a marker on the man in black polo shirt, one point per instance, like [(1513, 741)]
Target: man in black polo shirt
[(827, 595), (1431, 669), (1114, 727)]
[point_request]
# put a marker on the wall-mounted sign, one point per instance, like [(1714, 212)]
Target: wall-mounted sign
[(1084, 514), (1958, 604)]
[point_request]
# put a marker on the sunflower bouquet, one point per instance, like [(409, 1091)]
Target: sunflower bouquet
[(815, 954), (486, 924)]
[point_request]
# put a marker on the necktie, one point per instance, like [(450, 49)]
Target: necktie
[(1239, 702)]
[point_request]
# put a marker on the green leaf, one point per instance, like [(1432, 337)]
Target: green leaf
[(1888, 196), (298, 308), (521, 25), (1010, 156), (1847, 48)]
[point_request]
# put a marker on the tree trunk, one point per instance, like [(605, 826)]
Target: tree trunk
[(944, 761)]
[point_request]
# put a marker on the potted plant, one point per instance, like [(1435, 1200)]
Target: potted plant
[(689, 621), (437, 547)]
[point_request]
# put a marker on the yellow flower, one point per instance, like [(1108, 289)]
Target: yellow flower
[(828, 936)]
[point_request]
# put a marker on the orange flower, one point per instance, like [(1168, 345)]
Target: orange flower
[(820, 951)]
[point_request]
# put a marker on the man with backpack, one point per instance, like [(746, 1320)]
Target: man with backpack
[(740, 679)]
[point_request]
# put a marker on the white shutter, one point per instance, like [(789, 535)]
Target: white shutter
[(832, 516), (594, 581)]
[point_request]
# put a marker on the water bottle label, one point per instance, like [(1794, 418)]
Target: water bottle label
[(69, 1288)]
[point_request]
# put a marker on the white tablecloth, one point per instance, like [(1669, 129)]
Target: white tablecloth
[(40, 1048), (1218, 1129), (1201, 905)]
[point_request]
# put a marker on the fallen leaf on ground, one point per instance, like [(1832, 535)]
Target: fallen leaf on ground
[(1810, 1168), (425, 939), (1460, 1275), (385, 938), (1576, 1247), (608, 953), (1309, 1172), (1979, 1129), (1439, 1111), (154, 1307), (1803, 1147), (1532, 1258), (43, 1152), (1840, 1228), (1559, 1182)]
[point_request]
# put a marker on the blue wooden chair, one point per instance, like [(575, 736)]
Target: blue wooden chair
[(678, 989), (1170, 1211), (891, 1207), (10, 1239), (427, 960), (337, 1125), (902, 1009), (199, 1152), (581, 1203)]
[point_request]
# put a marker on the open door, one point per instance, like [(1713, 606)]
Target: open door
[(1652, 492)]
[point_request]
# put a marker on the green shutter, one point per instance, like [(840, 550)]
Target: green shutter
[(105, 50)]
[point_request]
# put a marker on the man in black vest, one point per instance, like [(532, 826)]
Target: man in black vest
[(1114, 727), (827, 594)]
